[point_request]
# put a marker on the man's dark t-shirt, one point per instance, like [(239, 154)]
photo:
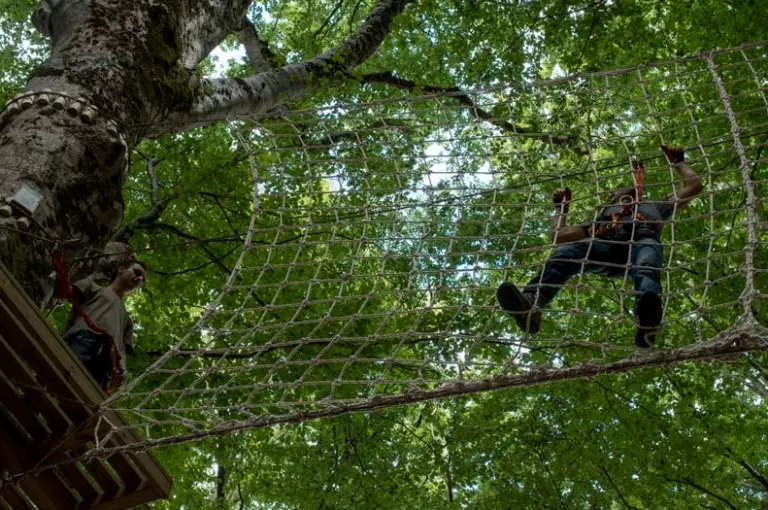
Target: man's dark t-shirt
[(654, 216)]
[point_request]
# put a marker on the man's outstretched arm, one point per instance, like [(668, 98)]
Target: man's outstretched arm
[(692, 186), (559, 232)]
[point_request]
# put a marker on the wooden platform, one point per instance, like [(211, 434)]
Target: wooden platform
[(47, 403)]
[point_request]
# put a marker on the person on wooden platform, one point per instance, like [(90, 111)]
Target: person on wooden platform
[(100, 331), (625, 238)]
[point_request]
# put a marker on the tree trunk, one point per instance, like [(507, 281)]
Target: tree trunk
[(75, 166)]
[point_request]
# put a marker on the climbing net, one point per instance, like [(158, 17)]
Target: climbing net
[(381, 231)]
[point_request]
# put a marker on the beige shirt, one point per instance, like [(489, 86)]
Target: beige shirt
[(106, 310)]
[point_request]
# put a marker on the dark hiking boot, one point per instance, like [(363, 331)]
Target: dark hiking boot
[(645, 338), (649, 310), (520, 306)]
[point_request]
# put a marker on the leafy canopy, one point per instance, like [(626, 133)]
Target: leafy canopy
[(689, 437)]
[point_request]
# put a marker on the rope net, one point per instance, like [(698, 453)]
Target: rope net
[(381, 231)]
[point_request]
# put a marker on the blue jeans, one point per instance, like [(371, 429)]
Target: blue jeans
[(91, 349), (567, 260)]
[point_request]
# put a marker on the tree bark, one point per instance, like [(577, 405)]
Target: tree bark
[(262, 58), (204, 24)]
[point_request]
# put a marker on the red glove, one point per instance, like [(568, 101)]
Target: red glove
[(562, 197), (674, 154)]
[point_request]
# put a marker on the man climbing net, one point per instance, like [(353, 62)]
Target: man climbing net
[(623, 239)]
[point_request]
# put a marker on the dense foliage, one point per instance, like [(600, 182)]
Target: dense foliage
[(691, 436)]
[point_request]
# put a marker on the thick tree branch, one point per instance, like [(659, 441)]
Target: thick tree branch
[(262, 59), (366, 40), (328, 19), (219, 99), (196, 268), (41, 18), (217, 201), (259, 54), (156, 211), (153, 186), (330, 139), (389, 78), (753, 472), (691, 483), (203, 245), (204, 24), (124, 233), (616, 488)]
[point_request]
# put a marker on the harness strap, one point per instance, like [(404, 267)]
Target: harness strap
[(63, 290)]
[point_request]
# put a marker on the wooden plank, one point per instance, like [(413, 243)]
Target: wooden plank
[(88, 490), (111, 486), (131, 475), (68, 446), (137, 471), (11, 425), (14, 498), (69, 474), (146, 462), (15, 460), (68, 370), (10, 433), (13, 366), (20, 304), (45, 489), (130, 500), (21, 339), (48, 491), (21, 412)]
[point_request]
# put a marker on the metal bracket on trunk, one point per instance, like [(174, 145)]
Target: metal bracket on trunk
[(24, 203)]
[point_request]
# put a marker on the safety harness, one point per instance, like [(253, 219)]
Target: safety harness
[(63, 290), (638, 174)]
